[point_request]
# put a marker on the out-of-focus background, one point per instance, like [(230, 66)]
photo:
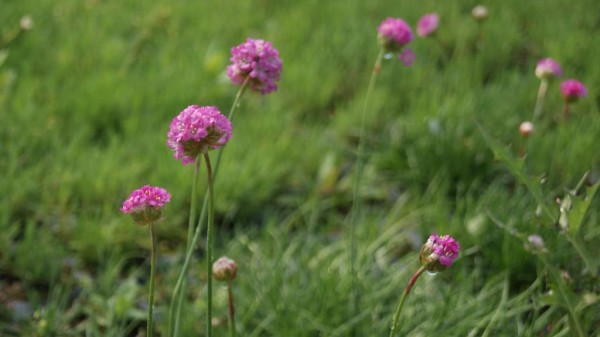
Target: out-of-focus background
[(87, 91)]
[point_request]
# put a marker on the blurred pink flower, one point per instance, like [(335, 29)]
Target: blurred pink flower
[(407, 57), (572, 90), (547, 68), (394, 34), (526, 129), (196, 130), (259, 61), (439, 252), (145, 204), (427, 24), (224, 269)]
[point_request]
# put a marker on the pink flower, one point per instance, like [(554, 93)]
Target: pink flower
[(526, 129), (259, 61), (572, 90), (394, 34), (407, 57), (196, 130), (427, 24), (145, 204), (224, 269), (547, 68), (439, 252)]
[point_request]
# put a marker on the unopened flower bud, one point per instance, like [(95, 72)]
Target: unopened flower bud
[(224, 269), (535, 243), (438, 253), (526, 129), (26, 22), (479, 13)]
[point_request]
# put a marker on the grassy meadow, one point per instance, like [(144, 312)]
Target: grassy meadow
[(87, 95)]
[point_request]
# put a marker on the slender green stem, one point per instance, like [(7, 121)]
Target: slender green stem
[(177, 297), (152, 272), (209, 244), (539, 102), (356, 202), (231, 310), (179, 287), (407, 289), (566, 111)]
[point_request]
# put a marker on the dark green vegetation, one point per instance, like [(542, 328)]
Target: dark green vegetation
[(87, 95)]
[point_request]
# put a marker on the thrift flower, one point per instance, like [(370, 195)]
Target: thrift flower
[(427, 24), (547, 68), (526, 128), (572, 90), (196, 130), (224, 269), (394, 34), (145, 204), (407, 57), (479, 13), (438, 253), (259, 61), (535, 243)]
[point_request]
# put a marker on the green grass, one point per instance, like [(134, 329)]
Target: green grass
[(86, 98)]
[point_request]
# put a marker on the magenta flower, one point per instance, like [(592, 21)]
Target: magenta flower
[(145, 204), (439, 252), (547, 68), (196, 130), (259, 61), (572, 90), (407, 57), (427, 24), (394, 34)]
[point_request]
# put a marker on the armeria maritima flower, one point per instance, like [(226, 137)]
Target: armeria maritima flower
[(547, 68), (224, 269), (427, 24), (146, 204), (572, 90), (438, 253), (479, 13), (258, 60), (394, 34), (196, 130)]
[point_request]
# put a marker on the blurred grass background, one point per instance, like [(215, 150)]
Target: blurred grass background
[(86, 97)]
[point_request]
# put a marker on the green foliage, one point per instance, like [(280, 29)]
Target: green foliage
[(85, 101)]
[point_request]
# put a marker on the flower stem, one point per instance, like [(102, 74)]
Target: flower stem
[(209, 243), (356, 203), (231, 310), (152, 272), (177, 298), (566, 111), (539, 102), (407, 289), (179, 287)]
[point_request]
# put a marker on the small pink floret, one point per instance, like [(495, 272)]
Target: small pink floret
[(548, 68), (572, 90), (445, 247), (258, 60), (407, 57), (427, 24), (395, 31), (144, 198), (196, 130)]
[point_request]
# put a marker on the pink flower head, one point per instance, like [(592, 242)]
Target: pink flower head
[(259, 61), (394, 34), (196, 130), (145, 204), (438, 253), (407, 57), (224, 269), (427, 24), (547, 68), (572, 90), (526, 129)]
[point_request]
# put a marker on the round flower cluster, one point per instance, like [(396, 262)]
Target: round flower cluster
[(479, 13), (145, 204), (572, 90), (394, 34), (427, 24), (439, 252), (547, 68), (196, 130), (224, 269), (258, 61)]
